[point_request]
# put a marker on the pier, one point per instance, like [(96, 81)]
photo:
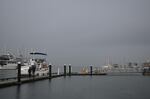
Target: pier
[(66, 70), (21, 79)]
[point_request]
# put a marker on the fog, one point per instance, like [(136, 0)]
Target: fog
[(77, 32)]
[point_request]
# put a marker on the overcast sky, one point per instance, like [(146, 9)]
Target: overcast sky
[(77, 32)]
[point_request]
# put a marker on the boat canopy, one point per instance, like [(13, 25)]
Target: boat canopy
[(37, 53)]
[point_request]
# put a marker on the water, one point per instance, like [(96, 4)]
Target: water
[(8, 73), (82, 87)]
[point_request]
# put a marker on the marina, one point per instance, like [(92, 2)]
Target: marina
[(21, 78), (85, 82), (18, 78), (74, 49)]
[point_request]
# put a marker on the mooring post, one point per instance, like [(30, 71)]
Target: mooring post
[(91, 70), (58, 71), (50, 70), (65, 70), (19, 72), (69, 69)]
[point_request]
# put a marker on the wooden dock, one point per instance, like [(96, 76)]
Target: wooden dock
[(48, 74), (13, 81), (20, 79)]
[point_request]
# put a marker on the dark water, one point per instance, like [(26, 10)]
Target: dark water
[(8, 73), (82, 87)]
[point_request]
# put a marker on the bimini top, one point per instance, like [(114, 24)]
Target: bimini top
[(37, 53)]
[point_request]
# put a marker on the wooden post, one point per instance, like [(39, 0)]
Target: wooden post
[(69, 70), (65, 70), (91, 70), (19, 72), (50, 70)]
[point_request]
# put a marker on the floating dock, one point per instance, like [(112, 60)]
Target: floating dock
[(14, 81)]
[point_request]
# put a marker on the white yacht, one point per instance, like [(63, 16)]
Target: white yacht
[(39, 60), (8, 61)]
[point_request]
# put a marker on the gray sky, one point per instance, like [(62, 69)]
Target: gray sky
[(77, 32)]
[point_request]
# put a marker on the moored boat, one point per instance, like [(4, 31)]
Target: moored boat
[(39, 61), (146, 68), (8, 61)]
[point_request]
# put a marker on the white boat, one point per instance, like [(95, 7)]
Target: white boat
[(40, 63), (8, 61)]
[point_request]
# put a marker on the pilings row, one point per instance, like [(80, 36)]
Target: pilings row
[(67, 72), (50, 71)]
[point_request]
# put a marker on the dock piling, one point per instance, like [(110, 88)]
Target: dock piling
[(65, 70), (91, 70), (69, 69), (19, 73), (50, 70)]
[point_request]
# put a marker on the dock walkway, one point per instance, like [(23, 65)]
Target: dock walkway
[(11, 82), (41, 75), (14, 81)]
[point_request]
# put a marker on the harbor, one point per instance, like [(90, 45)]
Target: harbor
[(4, 82), (37, 68), (86, 82), (18, 78), (74, 49)]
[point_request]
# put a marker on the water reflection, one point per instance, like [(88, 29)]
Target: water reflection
[(8, 73), (18, 92), (82, 87)]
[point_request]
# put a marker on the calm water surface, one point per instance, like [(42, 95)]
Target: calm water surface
[(8, 73), (82, 87)]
